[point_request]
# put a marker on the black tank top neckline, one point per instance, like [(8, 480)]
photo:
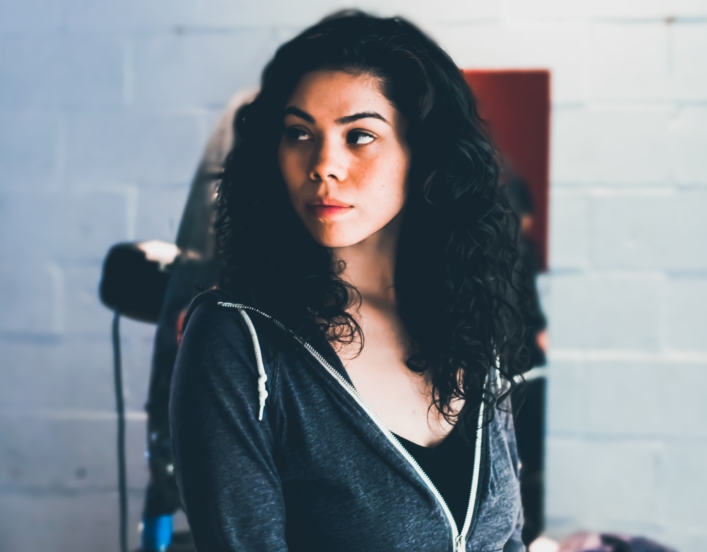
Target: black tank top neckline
[(450, 466)]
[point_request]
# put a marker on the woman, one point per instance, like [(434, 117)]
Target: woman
[(344, 388)]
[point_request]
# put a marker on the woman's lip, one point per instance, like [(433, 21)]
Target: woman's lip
[(328, 202), (328, 211)]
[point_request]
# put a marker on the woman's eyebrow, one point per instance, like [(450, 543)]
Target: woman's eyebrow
[(362, 115), (297, 112)]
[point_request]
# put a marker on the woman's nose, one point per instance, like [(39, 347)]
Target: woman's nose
[(328, 162)]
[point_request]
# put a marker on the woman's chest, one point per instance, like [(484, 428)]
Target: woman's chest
[(401, 398), (347, 487)]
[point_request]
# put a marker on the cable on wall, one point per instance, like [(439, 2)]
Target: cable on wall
[(120, 408)]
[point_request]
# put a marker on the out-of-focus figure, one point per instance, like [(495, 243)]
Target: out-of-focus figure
[(529, 263), (529, 397), (155, 282), (195, 269)]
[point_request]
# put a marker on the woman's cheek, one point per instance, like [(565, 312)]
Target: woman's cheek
[(292, 163), (287, 167)]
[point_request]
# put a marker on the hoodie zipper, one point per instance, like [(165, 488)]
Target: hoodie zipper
[(458, 537)]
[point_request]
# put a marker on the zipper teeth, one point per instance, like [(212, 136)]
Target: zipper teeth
[(457, 537), (372, 414), (475, 476)]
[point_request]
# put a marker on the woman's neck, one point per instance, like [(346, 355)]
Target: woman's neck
[(370, 265)]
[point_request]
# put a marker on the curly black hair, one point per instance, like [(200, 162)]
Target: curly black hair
[(457, 245)]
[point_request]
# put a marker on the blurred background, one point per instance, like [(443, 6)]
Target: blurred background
[(106, 107)]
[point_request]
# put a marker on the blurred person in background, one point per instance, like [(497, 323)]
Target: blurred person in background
[(346, 386), (529, 396), (529, 263)]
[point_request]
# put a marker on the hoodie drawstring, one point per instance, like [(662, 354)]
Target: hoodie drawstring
[(262, 376)]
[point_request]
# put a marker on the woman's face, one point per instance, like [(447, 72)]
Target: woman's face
[(343, 156)]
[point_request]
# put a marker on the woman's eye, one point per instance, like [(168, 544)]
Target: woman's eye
[(359, 138), (298, 134)]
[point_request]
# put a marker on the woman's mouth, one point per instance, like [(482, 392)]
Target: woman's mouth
[(328, 209)]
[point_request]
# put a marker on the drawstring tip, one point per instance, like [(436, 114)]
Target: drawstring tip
[(262, 396), (262, 376)]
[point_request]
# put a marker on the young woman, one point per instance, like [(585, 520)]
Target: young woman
[(344, 389)]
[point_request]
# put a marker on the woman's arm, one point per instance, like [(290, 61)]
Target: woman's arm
[(230, 487), (515, 543)]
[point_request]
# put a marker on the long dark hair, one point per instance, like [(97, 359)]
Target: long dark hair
[(457, 247)]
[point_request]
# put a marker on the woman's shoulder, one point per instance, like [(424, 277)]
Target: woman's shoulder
[(218, 327), (216, 312), (207, 319), (214, 337)]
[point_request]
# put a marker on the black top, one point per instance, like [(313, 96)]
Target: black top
[(450, 466)]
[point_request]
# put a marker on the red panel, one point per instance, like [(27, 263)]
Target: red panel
[(516, 106)]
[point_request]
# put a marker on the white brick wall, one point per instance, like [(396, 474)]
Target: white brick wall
[(105, 107), (600, 143), (627, 289)]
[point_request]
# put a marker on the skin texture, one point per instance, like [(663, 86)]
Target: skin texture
[(362, 165)]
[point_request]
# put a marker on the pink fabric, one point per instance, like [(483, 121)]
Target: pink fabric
[(605, 542)]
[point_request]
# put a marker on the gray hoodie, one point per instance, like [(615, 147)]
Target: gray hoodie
[(275, 450)]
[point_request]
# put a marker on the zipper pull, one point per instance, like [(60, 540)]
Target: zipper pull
[(459, 543)]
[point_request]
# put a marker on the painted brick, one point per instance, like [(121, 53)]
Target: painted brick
[(649, 232), (85, 315), (566, 398), (160, 224), (187, 69), (631, 399), (53, 243), (133, 329), (74, 373), (690, 51), (52, 374), (628, 62), (19, 217), (65, 226), (686, 314), (31, 298), (52, 521), (137, 365), (689, 144), (569, 230), (610, 145), (617, 398), (560, 48), (29, 149), (223, 13), (65, 70), (128, 14), (422, 12), (690, 8), (686, 486), (604, 311), (82, 452), (683, 539), (90, 222), (598, 484), (109, 148), (30, 15), (550, 9)]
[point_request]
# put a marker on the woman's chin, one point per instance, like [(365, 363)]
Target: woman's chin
[(335, 240)]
